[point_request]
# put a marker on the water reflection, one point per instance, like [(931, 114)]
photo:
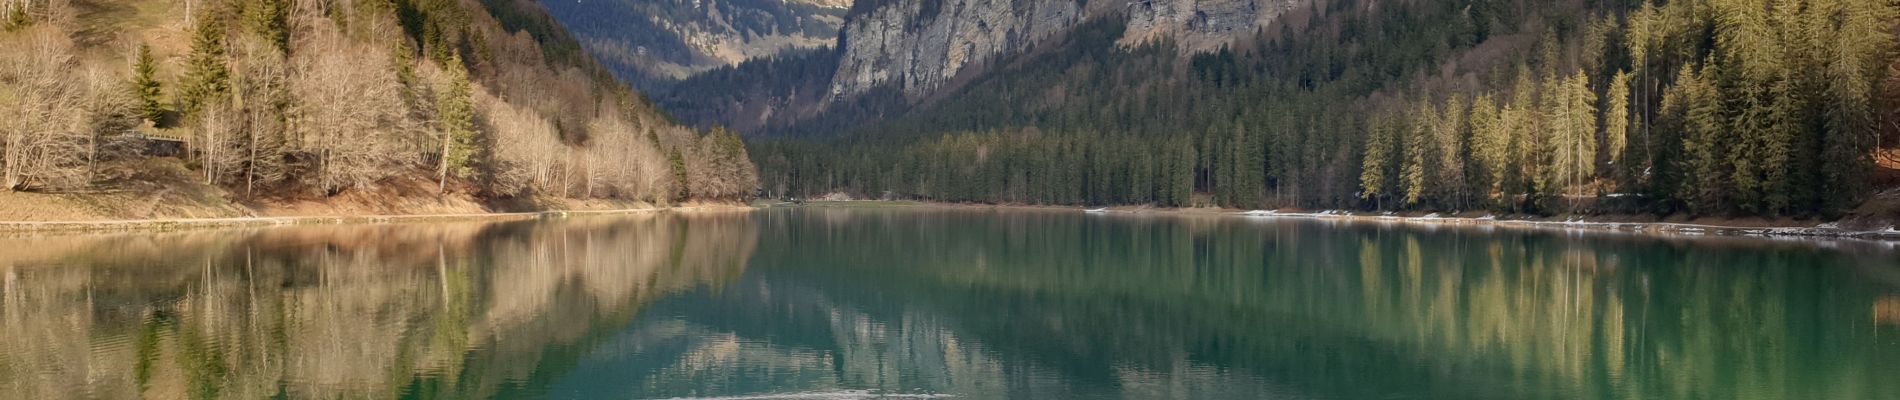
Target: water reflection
[(830, 303), (457, 310), (1061, 305)]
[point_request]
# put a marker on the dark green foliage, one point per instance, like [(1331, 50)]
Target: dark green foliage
[(145, 85), (681, 191), (207, 75), (795, 79), (637, 24), (1730, 107), (270, 20), (455, 117), (16, 17)]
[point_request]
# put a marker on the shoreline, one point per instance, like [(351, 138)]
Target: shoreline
[(1654, 228), (176, 224)]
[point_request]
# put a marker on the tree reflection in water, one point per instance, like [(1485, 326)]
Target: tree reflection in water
[(855, 303), (452, 310)]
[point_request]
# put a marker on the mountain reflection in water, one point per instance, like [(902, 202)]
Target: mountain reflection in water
[(927, 303)]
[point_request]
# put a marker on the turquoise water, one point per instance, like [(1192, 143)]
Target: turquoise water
[(830, 303)]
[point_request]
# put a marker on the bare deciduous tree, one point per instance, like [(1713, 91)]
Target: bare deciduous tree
[(46, 136), (349, 115), (215, 139), (528, 154)]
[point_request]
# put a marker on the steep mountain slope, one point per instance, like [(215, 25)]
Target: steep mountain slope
[(920, 45), (650, 42), (287, 102), (896, 53), (1699, 107)]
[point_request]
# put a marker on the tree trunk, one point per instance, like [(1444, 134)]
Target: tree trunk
[(442, 173)]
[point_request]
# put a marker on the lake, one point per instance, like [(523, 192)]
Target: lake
[(839, 303)]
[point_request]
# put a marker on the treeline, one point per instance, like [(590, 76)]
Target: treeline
[(650, 43), (1697, 106), (314, 98), (756, 94), (1014, 167)]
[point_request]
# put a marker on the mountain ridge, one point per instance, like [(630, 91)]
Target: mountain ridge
[(652, 43)]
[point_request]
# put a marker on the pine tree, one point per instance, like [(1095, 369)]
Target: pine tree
[(207, 76), (1449, 136), (1616, 117), (1380, 159), (145, 85), (1850, 124), (1249, 163), (1415, 150), (1695, 99), (1583, 135), (15, 16), (270, 20), (1521, 119), (1183, 174), (681, 190), (1490, 142), (455, 118)]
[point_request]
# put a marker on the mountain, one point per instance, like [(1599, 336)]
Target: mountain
[(270, 102), (1692, 107), (920, 45), (915, 48), (652, 42)]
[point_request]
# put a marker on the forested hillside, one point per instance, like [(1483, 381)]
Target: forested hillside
[(651, 43), (1700, 107), (316, 98)]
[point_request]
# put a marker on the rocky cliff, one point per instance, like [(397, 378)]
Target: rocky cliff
[(919, 45), (1200, 25), (650, 42)]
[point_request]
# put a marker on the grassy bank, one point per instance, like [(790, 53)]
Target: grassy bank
[(161, 194), (161, 225)]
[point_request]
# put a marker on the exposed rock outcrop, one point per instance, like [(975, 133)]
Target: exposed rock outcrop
[(652, 41), (1200, 25), (919, 45)]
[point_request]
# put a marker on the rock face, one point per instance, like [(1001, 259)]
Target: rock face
[(919, 45), (1200, 25), (649, 42)]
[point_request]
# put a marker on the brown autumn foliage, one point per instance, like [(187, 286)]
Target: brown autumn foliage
[(345, 101)]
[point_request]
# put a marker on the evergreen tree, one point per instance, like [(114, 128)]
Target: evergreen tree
[(1380, 159), (1694, 99), (1616, 117), (1182, 175), (207, 76), (270, 20), (1415, 149), (1849, 121), (16, 16), (1490, 145), (145, 85), (1583, 135), (1449, 136), (680, 190), (1521, 119), (455, 119)]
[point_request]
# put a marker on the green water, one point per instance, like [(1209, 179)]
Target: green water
[(824, 303)]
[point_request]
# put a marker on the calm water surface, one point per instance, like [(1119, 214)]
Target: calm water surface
[(918, 303)]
